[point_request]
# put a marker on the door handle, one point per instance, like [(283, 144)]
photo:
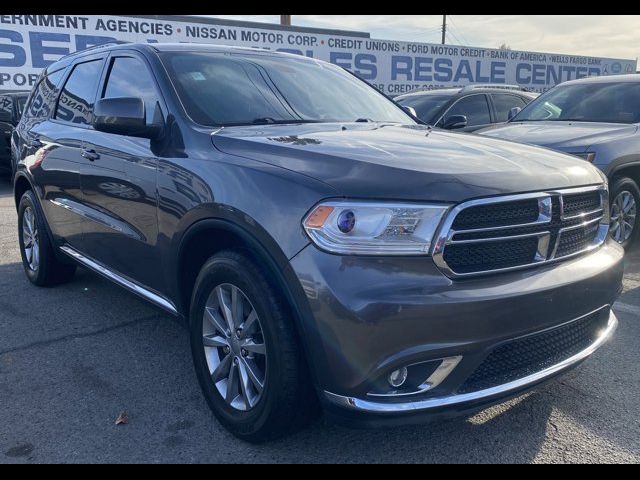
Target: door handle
[(90, 154)]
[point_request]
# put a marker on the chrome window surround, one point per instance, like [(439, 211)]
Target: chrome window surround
[(446, 233), (486, 395)]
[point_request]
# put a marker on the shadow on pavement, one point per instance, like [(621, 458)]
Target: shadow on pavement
[(73, 357)]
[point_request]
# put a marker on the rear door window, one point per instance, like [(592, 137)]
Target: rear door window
[(504, 103), (474, 107), (79, 93)]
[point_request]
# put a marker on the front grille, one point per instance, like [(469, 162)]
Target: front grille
[(523, 211), (490, 255), (581, 202), (533, 353), (513, 232)]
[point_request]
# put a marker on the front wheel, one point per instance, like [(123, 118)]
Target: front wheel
[(245, 350), (625, 198)]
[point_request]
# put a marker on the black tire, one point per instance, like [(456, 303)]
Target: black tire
[(49, 271), (288, 400), (619, 186)]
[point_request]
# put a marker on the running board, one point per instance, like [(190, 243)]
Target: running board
[(148, 295)]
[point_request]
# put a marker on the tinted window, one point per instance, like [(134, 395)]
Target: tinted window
[(504, 103), (20, 101), (6, 104), (587, 102), (252, 89), (427, 106), (42, 100), (129, 77), (474, 107), (76, 101)]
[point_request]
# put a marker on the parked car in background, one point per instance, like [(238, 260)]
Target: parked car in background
[(322, 247), (596, 119), (11, 105), (468, 108)]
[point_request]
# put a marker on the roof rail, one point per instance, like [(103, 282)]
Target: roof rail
[(499, 86), (95, 47)]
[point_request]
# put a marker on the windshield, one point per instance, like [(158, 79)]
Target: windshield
[(426, 106), (246, 89), (586, 102)]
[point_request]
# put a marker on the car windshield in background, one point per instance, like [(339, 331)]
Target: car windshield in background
[(20, 102), (223, 89), (586, 102), (426, 106)]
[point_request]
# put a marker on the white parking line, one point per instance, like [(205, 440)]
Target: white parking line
[(626, 308)]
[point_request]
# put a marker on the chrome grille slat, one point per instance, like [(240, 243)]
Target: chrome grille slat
[(558, 236)]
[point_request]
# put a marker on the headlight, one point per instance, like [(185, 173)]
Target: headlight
[(588, 156), (373, 228)]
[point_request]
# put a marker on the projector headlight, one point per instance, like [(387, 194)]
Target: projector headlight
[(373, 228)]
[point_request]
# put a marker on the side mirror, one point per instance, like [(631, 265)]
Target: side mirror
[(5, 116), (411, 111), (455, 121), (513, 112), (123, 116)]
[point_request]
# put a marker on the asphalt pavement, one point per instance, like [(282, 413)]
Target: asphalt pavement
[(72, 358)]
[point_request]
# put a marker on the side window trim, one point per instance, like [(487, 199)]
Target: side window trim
[(67, 74), (463, 98)]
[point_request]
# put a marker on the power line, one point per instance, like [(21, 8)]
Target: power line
[(458, 30)]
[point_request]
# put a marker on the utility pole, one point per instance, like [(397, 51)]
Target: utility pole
[(285, 20), (444, 28)]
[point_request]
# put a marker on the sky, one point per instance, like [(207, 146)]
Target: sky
[(616, 36)]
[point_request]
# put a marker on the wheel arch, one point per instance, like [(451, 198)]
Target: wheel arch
[(207, 236)]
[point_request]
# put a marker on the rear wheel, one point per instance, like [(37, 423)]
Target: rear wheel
[(625, 199), (245, 350), (38, 257)]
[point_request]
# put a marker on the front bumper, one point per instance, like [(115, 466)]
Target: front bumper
[(369, 316)]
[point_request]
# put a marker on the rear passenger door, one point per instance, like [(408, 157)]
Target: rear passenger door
[(119, 179), (475, 107), (503, 103), (50, 136)]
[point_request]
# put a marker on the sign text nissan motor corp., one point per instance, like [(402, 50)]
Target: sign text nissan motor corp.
[(28, 43)]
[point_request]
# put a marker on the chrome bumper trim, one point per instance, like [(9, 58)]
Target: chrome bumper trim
[(367, 406)]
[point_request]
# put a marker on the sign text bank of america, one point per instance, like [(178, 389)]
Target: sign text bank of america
[(28, 43)]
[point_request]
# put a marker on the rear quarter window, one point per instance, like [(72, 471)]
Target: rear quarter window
[(43, 98)]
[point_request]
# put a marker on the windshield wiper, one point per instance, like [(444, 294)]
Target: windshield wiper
[(273, 121), (363, 120)]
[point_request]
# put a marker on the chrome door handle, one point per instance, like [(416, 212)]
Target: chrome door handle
[(90, 154)]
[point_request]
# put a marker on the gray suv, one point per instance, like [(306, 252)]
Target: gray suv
[(596, 119), (322, 248)]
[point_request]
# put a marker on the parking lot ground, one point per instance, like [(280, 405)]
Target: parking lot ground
[(72, 358)]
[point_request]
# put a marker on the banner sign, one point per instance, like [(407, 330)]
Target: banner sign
[(28, 43)]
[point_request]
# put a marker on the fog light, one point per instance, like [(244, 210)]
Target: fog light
[(398, 377)]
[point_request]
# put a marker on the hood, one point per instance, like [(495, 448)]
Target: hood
[(575, 137), (369, 160)]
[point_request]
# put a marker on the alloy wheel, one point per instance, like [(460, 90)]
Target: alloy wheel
[(30, 239), (623, 216), (234, 347)]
